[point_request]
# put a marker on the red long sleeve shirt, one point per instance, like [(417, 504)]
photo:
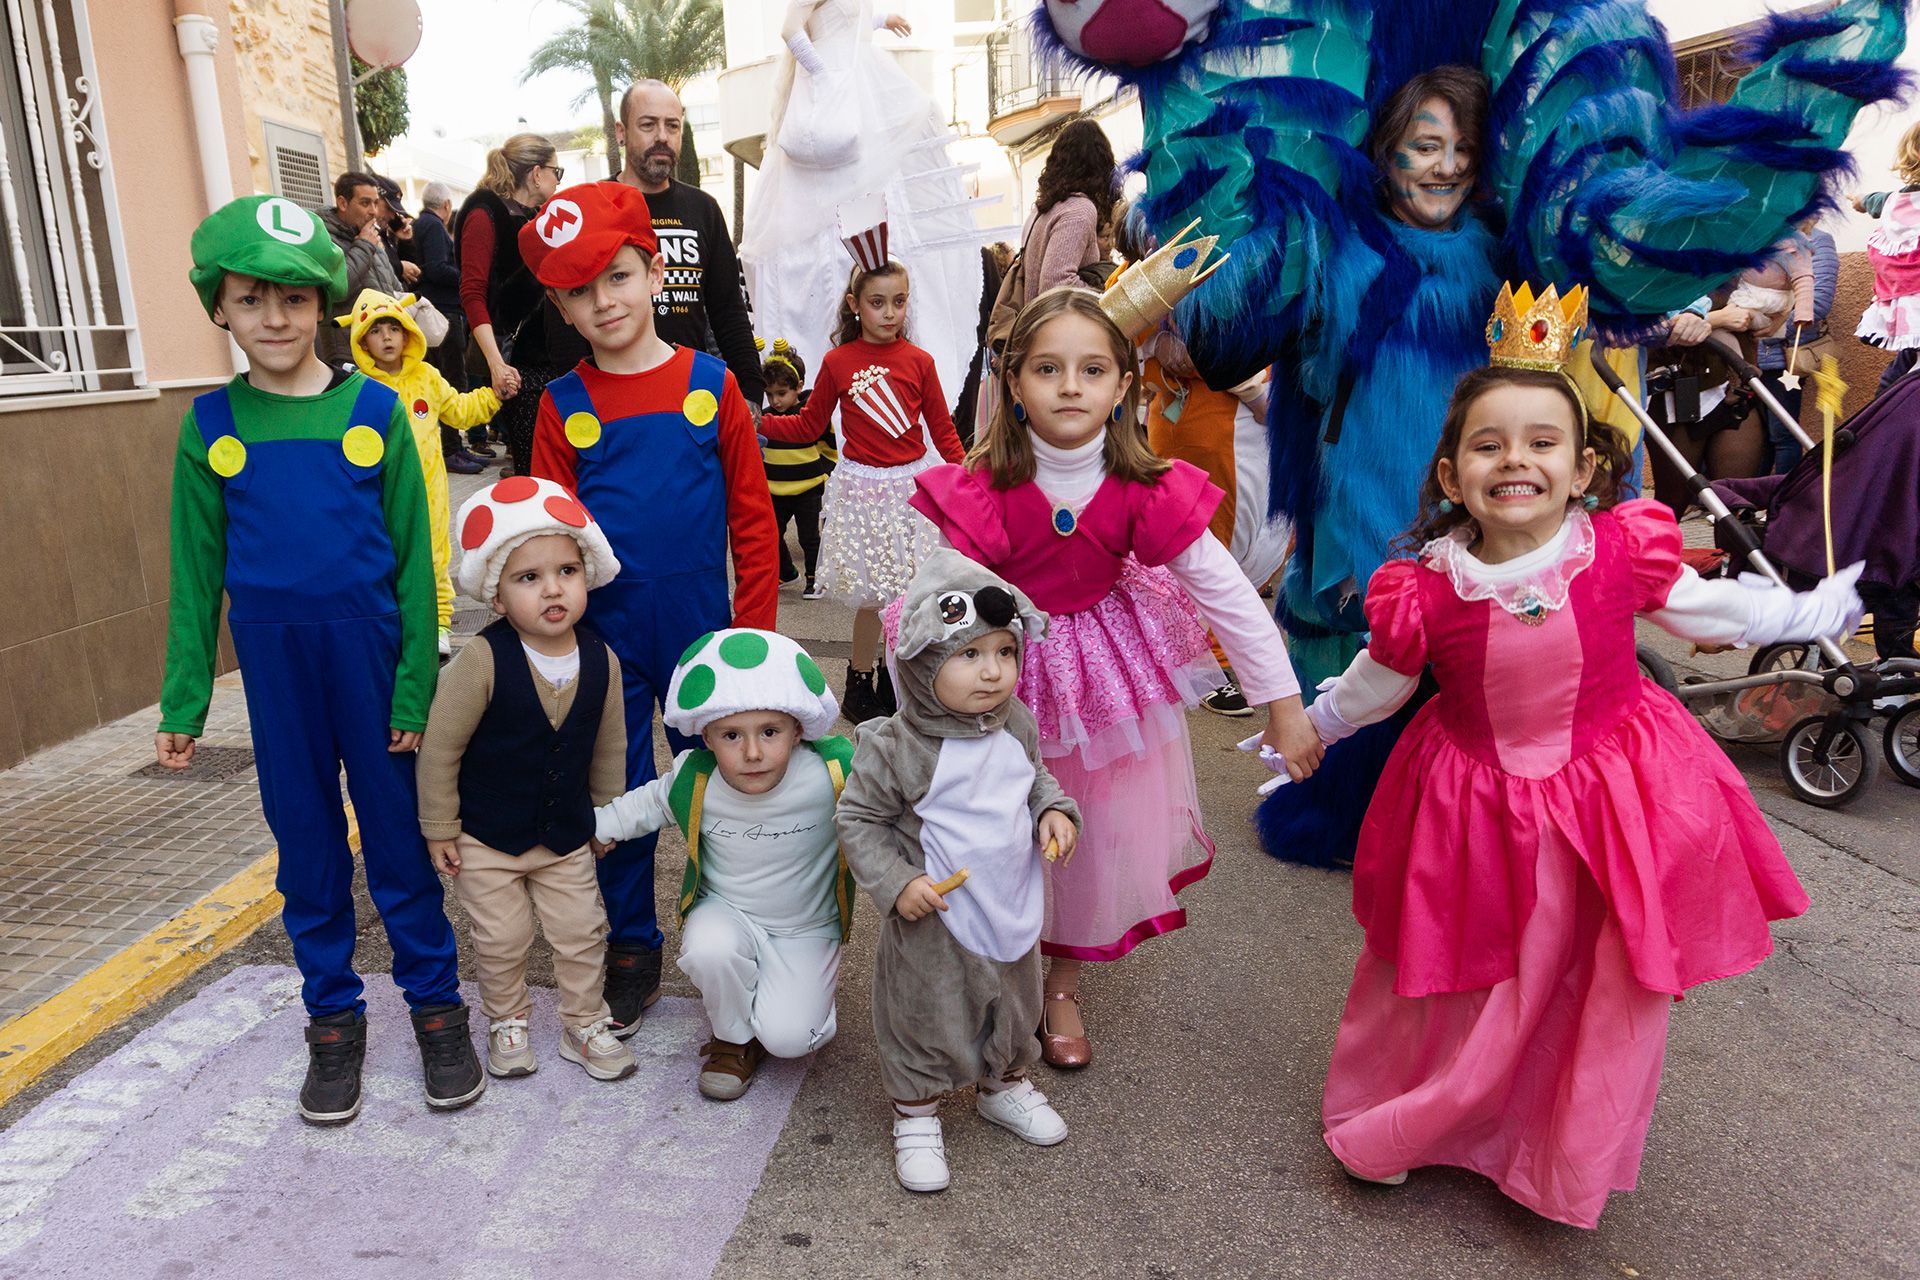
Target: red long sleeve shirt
[(663, 389), (883, 393)]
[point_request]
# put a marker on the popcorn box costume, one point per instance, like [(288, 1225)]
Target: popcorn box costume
[(668, 463), (1540, 876), (429, 400), (522, 832), (767, 900), (956, 993), (310, 513), (872, 540)]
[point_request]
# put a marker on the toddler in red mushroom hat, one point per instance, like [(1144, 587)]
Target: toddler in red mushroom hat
[(517, 838), (657, 441)]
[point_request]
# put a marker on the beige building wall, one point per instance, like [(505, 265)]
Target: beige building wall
[(284, 51)]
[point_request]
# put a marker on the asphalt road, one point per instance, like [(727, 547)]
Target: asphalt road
[(1783, 1144)]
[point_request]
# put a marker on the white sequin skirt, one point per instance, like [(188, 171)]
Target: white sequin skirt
[(871, 541)]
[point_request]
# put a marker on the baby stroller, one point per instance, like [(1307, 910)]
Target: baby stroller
[(1812, 698)]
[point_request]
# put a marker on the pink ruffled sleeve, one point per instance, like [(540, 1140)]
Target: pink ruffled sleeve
[(1170, 513), (960, 506), (1653, 550), (1397, 639)]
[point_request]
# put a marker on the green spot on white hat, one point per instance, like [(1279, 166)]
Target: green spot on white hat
[(744, 651), (810, 674), (687, 655), (696, 687)]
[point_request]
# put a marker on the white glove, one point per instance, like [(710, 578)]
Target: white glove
[(1323, 716), (1270, 758), (1831, 609), (803, 53)]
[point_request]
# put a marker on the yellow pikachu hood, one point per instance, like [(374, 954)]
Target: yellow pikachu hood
[(374, 305)]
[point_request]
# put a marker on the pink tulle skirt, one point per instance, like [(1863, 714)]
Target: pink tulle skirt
[(1544, 1083)]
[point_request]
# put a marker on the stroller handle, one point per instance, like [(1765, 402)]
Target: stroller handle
[(1717, 511), (1730, 351)]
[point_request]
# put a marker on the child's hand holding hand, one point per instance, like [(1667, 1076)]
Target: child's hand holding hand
[(1057, 828), (402, 740), (445, 855), (601, 848), (173, 750), (918, 899), (1291, 734)]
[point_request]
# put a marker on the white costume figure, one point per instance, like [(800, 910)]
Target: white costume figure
[(847, 123)]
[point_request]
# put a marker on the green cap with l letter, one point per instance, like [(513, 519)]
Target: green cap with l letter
[(268, 238)]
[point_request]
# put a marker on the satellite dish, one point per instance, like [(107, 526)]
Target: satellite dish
[(383, 33)]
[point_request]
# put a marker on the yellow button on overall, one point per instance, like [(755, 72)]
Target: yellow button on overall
[(700, 406), (363, 446), (227, 456), (583, 430)]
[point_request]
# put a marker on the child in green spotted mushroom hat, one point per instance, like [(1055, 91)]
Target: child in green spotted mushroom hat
[(767, 897)]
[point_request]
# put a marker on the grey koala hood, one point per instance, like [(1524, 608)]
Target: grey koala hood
[(951, 602)]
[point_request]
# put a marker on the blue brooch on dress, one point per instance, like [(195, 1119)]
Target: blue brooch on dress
[(1064, 521), (1529, 608)]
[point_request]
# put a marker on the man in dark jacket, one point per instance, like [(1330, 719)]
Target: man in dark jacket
[(703, 305), (354, 224)]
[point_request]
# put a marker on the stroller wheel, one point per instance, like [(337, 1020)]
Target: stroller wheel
[(1786, 657), (1657, 669), (1902, 740), (1828, 761)]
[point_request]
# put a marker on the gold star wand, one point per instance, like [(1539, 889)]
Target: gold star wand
[(1828, 390)]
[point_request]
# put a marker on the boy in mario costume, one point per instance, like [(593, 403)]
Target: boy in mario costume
[(297, 488), (660, 447)]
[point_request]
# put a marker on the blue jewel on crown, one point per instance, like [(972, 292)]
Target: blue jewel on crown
[(1064, 521)]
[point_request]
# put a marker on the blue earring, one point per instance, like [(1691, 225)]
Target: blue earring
[(1590, 502), (1446, 506), (1119, 409), (1019, 412)]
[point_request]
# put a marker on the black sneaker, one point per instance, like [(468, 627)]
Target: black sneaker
[(883, 689), (633, 984), (452, 1068), (788, 575), (860, 702), (336, 1050), (1227, 700)]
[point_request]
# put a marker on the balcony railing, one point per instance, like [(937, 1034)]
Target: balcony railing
[(1018, 80)]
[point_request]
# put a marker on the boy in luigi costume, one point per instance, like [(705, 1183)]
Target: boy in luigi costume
[(766, 899), (297, 490)]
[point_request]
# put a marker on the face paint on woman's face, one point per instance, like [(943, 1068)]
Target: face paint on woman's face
[(1432, 168)]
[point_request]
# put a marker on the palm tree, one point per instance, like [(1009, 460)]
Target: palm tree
[(619, 41)]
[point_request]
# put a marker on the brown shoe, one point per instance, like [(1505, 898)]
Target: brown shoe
[(1065, 1052), (729, 1067)]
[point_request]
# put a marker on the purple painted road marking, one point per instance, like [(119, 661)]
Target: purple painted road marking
[(182, 1155)]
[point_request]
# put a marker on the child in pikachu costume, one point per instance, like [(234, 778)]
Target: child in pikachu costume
[(430, 401)]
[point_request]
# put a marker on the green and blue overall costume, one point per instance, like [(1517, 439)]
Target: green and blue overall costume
[(310, 511), (648, 466)]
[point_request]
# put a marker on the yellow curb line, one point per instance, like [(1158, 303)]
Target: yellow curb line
[(38, 1040)]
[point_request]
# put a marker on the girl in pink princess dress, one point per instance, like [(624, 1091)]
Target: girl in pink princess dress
[(1556, 850), (1063, 498)]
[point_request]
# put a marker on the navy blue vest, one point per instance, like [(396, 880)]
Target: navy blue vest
[(522, 782)]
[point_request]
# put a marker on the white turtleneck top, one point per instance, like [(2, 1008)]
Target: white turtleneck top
[(1230, 604)]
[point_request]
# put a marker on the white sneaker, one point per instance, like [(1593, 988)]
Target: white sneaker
[(919, 1153), (446, 643), (1024, 1111), (510, 1048), (1391, 1180), (595, 1049)]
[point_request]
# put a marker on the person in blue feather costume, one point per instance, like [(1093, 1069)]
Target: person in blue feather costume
[(1378, 168)]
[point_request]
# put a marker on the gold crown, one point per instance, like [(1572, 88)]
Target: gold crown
[(1529, 333), (1146, 292)]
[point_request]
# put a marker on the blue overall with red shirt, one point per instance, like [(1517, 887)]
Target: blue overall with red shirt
[(654, 481), (310, 573)]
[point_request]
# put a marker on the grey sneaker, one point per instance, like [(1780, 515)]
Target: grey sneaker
[(510, 1048), (597, 1051)]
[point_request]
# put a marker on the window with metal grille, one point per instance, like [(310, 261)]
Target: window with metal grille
[(65, 320), (1709, 67), (297, 165)]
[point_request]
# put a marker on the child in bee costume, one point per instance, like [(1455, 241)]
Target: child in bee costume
[(952, 783)]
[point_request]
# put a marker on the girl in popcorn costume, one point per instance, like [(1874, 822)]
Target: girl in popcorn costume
[(1062, 497), (1540, 876), (884, 388)]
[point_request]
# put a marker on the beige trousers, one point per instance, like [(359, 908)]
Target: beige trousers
[(502, 894)]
